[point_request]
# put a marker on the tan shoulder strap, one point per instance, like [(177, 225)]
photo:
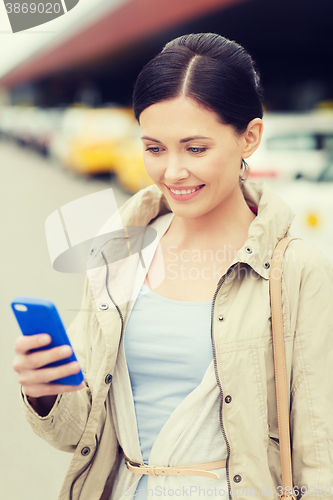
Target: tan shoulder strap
[(282, 392)]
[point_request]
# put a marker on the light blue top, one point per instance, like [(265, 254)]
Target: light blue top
[(168, 349)]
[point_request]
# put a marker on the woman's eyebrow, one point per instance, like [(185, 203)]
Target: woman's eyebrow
[(187, 139), (150, 139)]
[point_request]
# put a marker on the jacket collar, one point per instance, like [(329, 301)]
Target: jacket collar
[(272, 223)]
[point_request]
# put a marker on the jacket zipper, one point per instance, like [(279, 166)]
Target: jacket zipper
[(122, 329), (214, 353), (215, 368), (89, 465), (113, 302), (222, 280)]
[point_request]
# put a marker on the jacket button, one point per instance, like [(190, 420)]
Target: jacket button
[(85, 451), (267, 265), (108, 379), (237, 478), (221, 318), (228, 399), (103, 307), (248, 250)]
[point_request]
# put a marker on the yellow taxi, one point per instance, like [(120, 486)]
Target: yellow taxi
[(88, 138), (129, 167)]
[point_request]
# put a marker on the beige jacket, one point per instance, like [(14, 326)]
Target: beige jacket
[(81, 422)]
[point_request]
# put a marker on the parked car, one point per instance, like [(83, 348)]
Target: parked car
[(11, 118), (312, 202), (47, 122), (22, 127), (129, 167), (87, 139), (6, 119), (293, 146)]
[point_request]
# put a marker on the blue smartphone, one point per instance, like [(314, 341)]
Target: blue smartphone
[(35, 315)]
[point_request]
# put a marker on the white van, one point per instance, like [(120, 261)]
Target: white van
[(293, 146)]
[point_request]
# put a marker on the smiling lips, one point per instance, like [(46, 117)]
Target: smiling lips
[(184, 193)]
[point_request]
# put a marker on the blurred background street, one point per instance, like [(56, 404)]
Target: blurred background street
[(67, 130), (30, 191)]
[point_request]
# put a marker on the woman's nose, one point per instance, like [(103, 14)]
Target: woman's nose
[(175, 170)]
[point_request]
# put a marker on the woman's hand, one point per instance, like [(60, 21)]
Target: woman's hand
[(34, 379)]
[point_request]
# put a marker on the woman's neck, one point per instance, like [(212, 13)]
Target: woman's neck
[(227, 224)]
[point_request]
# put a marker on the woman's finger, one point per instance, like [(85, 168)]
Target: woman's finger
[(46, 375), (36, 360), (25, 343)]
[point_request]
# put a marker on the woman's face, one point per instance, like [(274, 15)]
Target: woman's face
[(191, 156)]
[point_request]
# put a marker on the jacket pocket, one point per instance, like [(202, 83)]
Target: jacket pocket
[(274, 441), (273, 453)]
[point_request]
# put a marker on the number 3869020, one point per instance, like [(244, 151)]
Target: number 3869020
[(32, 8)]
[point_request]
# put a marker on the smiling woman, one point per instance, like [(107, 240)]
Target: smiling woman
[(192, 406), (194, 151), (196, 136)]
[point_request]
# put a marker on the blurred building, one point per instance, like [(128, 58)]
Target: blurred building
[(291, 41)]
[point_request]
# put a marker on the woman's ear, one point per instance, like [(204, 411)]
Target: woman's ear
[(252, 137)]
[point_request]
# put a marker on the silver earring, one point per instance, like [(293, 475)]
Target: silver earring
[(244, 171)]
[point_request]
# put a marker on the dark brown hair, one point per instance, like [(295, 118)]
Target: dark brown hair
[(209, 68)]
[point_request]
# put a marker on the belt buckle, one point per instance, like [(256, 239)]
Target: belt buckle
[(139, 465), (133, 464)]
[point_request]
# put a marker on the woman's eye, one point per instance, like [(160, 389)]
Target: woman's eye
[(154, 149), (197, 150)]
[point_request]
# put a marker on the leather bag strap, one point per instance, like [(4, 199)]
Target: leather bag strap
[(282, 393)]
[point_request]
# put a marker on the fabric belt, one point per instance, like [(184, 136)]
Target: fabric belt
[(184, 470)]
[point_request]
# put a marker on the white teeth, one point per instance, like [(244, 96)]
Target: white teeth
[(184, 191)]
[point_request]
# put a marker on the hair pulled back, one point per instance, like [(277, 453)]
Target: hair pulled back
[(215, 71)]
